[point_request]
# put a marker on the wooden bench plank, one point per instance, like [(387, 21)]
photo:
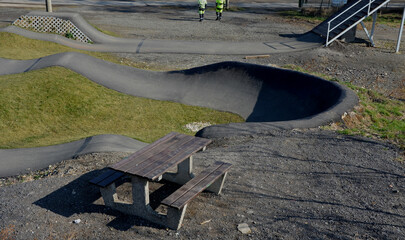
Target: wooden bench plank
[(191, 190), (111, 179), (196, 185), (100, 177), (182, 190), (106, 178)]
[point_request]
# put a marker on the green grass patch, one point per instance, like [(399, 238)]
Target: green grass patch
[(13, 46), (303, 70), (390, 19), (106, 31), (316, 15), (376, 116), (313, 16), (56, 105)]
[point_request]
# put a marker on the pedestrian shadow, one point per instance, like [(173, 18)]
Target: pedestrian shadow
[(79, 196), (185, 19)]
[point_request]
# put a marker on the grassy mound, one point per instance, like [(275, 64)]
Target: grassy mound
[(13, 46), (56, 105), (376, 116)]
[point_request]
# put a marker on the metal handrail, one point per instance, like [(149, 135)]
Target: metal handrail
[(361, 9), (346, 10), (354, 14)]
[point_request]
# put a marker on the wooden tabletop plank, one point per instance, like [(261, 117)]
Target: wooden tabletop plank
[(155, 159), (145, 149), (161, 152), (184, 153), (140, 160), (158, 157)]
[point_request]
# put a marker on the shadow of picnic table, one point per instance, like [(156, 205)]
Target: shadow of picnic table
[(79, 196)]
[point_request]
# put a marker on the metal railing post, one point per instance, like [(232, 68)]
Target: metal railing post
[(327, 35), (373, 26), (48, 5), (400, 31)]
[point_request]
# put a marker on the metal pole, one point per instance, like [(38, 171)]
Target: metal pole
[(48, 5), (400, 31), (373, 29)]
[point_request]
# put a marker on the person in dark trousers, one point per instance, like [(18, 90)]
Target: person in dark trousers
[(219, 8), (202, 4)]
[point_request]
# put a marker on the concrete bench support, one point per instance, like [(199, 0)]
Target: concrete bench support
[(211, 179)]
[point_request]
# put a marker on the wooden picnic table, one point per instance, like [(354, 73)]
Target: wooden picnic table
[(154, 160), (152, 163)]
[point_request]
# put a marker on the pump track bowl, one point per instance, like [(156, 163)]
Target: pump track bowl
[(268, 98)]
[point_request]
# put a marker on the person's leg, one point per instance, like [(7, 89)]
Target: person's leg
[(219, 9), (201, 12)]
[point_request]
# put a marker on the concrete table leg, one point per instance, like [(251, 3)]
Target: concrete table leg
[(109, 195), (140, 206), (140, 191), (184, 172)]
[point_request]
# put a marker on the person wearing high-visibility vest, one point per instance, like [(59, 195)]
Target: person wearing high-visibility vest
[(202, 4), (219, 8)]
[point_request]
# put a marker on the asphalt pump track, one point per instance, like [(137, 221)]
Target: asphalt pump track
[(106, 43), (268, 98)]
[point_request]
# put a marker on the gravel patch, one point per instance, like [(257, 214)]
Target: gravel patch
[(306, 184)]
